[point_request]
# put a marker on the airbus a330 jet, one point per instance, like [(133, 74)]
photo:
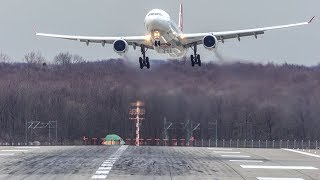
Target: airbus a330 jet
[(164, 36)]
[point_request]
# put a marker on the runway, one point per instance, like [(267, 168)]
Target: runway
[(153, 163)]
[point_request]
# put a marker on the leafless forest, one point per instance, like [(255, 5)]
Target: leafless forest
[(249, 101)]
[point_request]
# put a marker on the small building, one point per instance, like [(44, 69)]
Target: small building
[(113, 139)]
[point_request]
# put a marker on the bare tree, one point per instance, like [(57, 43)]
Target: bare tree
[(63, 58), (77, 59), (4, 58), (34, 58), (247, 100)]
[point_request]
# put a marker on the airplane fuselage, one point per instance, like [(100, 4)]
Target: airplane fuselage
[(165, 34)]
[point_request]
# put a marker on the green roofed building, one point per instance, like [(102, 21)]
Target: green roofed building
[(113, 139)]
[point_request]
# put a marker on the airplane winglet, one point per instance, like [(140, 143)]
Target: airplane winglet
[(311, 19)]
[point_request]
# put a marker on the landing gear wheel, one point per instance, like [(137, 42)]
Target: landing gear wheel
[(195, 58), (199, 60), (147, 62), (141, 63), (192, 60), (157, 43), (144, 61)]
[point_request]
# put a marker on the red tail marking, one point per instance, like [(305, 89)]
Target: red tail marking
[(181, 17)]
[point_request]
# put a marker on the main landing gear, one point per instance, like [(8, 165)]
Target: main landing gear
[(195, 59), (144, 61)]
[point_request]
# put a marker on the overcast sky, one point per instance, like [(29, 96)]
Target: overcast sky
[(125, 17)]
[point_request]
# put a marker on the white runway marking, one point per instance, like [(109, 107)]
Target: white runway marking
[(6, 154), (277, 167), (276, 178), (305, 153), (220, 149), (28, 147), (253, 161), (14, 150), (236, 156), (106, 166), (109, 162), (99, 177), (102, 172), (226, 152)]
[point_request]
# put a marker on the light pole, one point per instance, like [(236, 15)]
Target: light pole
[(136, 111)]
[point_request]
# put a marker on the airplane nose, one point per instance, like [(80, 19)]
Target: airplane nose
[(153, 23)]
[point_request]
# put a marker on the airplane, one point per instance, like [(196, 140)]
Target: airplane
[(164, 36)]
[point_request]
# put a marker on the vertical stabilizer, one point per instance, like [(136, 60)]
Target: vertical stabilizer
[(181, 17)]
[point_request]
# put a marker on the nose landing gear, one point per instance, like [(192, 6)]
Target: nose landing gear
[(195, 59), (157, 43), (144, 61)]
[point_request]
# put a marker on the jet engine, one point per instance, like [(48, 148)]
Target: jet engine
[(120, 46), (210, 42)]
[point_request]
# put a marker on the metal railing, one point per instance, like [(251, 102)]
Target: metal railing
[(274, 144)]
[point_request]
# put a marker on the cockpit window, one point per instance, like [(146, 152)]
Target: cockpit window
[(156, 14)]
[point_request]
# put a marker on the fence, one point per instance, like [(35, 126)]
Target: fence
[(274, 144)]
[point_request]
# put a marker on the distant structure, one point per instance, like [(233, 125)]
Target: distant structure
[(136, 111), (33, 126)]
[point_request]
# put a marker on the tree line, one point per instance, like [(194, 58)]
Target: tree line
[(247, 100)]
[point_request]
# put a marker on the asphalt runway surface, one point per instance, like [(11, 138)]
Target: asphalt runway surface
[(155, 163)]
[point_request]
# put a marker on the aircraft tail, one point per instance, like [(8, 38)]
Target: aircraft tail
[(181, 17)]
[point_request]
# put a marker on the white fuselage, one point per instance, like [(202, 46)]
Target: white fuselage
[(161, 28)]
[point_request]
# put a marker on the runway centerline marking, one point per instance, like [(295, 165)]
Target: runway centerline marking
[(278, 167), (305, 153), (102, 172), (245, 160), (14, 150), (277, 178), (106, 166), (99, 177), (235, 156)]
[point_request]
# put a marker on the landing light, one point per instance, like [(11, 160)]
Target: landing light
[(156, 34), (182, 36), (148, 37)]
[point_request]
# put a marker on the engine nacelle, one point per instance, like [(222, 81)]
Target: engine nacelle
[(210, 42), (120, 46)]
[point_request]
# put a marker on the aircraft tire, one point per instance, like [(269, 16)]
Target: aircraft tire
[(192, 60), (199, 59), (141, 63), (147, 62)]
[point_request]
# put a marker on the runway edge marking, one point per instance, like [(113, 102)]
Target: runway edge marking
[(278, 167), (305, 153), (106, 166)]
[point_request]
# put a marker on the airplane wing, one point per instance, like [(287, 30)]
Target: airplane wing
[(131, 40), (190, 39)]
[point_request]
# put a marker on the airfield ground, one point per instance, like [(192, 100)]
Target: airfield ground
[(155, 163)]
